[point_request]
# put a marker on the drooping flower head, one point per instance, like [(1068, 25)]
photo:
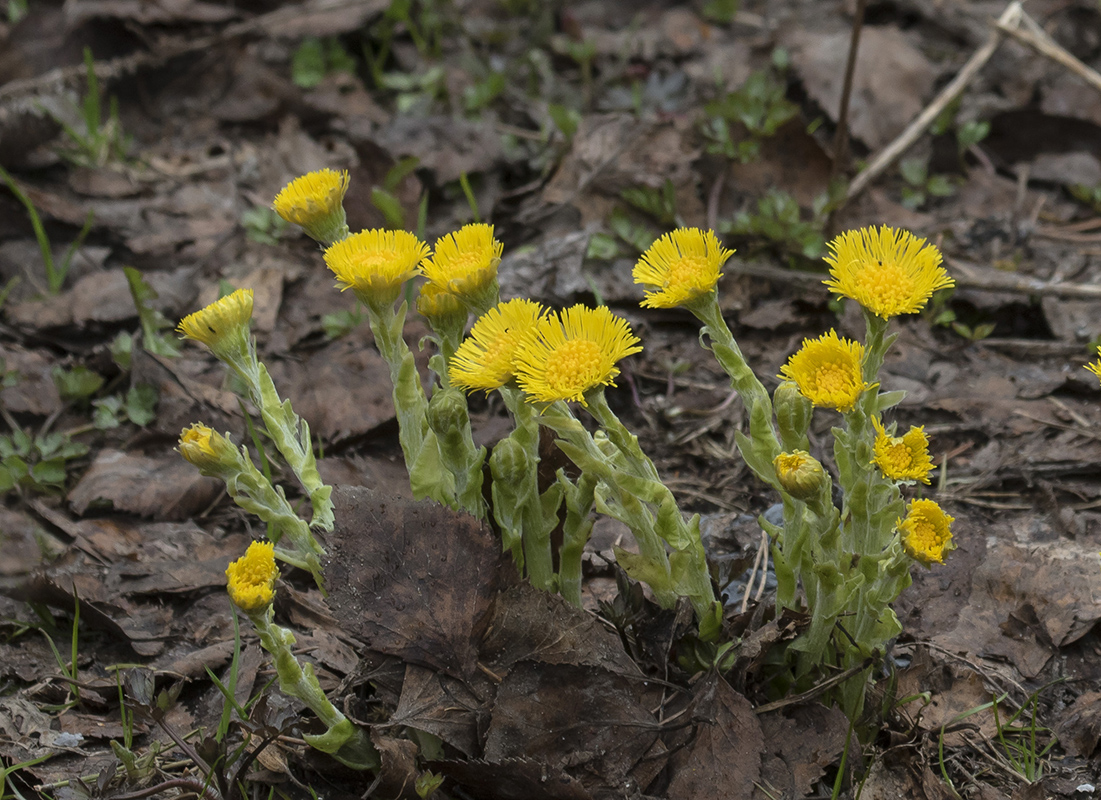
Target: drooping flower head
[(573, 351), (680, 267), (1096, 368), (926, 532), (902, 458), (888, 271), (376, 263), (465, 264), (800, 474), (315, 201), (486, 358), (223, 326), (827, 371), (250, 579), (206, 449)]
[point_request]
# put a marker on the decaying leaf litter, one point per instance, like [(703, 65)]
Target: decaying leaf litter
[(591, 102)]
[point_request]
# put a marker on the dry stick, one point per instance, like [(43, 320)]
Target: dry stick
[(841, 135), (886, 157), (1038, 39)]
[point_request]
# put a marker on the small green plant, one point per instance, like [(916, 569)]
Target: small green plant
[(481, 95), (942, 315), (966, 134), (779, 220), (659, 203), (138, 407), (263, 225), (384, 197), (76, 384), (153, 323), (314, 59), (1090, 195), (736, 123), (55, 272), (920, 185), (36, 463), (721, 11), (341, 323), (95, 141)]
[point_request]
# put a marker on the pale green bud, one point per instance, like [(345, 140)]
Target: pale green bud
[(793, 411), (447, 412), (509, 463), (800, 474)]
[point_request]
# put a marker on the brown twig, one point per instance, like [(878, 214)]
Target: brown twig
[(886, 157), (841, 135)]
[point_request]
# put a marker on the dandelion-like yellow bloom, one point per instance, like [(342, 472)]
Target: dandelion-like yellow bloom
[(680, 267), (800, 474), (902, 458), (435, 303), (926, 533), (221, 323), (827, 371), (1096, 368), (572, 352), (250, 579), (486, 358), (316, 202), (887, 271), (375, 263), (196, 445), (465, 262)]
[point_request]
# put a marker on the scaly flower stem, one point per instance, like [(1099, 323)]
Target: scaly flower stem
[(418, 443), (763, 445), (288, 431), (346, 742), (576, 530)]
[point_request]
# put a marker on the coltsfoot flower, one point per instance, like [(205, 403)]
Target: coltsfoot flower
[(486, 358), (902, 458), (801, 475), (315, 201), (827, 371), (440, 305), (681, 266), (888, 271), (200, 446), (250, 579), (376, 263), (222, 325), (1096, 368), (572, 352), (465, 263), (926, 532)]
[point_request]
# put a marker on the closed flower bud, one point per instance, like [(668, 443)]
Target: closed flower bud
[(509, 463), (204, 448), (793, 410), (447, 412), (800, 475)]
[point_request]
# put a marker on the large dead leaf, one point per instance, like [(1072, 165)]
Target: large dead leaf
[(443, 706), (724, 758), (165, 487), (585, 720), (413, 580), (1079, 728), (513, 779), (890, 84), (532, 625), (807, 739)]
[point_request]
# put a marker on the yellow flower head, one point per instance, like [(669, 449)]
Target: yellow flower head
[(681, 266), (223, 323), (465, 263), (251, 578), (485, 359), (926, 534), (572, 352), (827, 371), (800, 474), (316, 202), (902, 458), (887, 271), (435, 303), (1096, 368), (375, 263)]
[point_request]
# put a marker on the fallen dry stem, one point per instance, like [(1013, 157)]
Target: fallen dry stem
[(1010, 18), (1038, 39)]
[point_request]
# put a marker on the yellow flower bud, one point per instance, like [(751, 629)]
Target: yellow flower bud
[(793, 410), (203, 447), (315, 201), (800, 474), (223, 326), (926, 532)]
